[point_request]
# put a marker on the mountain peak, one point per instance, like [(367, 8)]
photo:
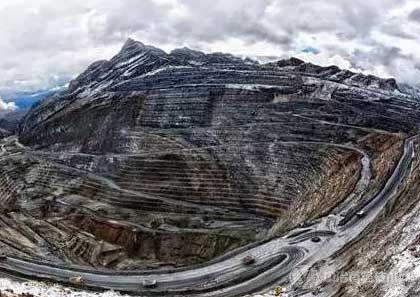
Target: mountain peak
[(136, 59), (130, 43)]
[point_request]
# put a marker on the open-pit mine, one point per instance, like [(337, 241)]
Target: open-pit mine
[(193, 174)]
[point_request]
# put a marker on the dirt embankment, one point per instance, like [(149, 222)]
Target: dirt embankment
[(384, 260)]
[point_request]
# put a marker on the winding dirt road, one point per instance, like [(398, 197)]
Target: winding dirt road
[(227, 276)]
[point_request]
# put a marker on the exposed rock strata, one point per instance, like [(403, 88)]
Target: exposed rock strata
[(155, 160)]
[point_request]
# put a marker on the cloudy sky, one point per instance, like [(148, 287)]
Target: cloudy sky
[(44, 43)]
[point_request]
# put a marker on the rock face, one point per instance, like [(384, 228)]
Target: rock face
[(152, 159), (233, 128)]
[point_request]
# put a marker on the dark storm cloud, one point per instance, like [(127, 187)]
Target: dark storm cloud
[(379, 55), (415, 15), (398, 64), (393, 29), (43, 42)]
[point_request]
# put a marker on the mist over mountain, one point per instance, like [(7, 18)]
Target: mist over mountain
[(44, 44)]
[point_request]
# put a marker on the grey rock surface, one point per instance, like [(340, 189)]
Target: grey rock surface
[(153, 160)]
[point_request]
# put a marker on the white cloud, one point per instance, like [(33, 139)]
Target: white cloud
[(6, 107), (45, 42)]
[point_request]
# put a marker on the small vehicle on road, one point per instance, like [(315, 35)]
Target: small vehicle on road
[(77, 280), (149, 284), (278, 291), (248, 260), (361, 214), (306, 224), (316, 239)]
